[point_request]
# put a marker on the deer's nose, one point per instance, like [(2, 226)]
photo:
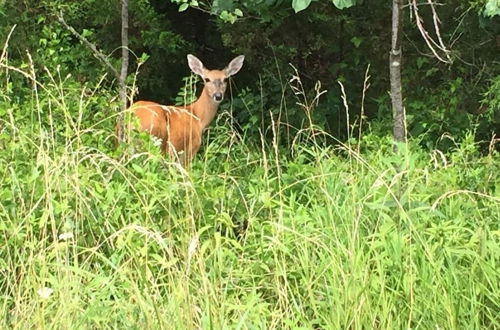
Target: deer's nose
[(218, 96)]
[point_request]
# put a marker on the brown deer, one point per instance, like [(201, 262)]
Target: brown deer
[(180, 128)]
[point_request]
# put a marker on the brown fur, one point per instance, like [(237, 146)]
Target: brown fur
[(179, 130)]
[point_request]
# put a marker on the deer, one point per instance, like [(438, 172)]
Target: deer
[(180, 128)]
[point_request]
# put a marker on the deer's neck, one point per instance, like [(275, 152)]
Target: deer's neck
[(204, 108)]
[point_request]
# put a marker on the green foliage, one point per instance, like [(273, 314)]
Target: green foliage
[(293, 215), (299, 5), (492, 98), (324, 43), (253, 236), (342, 4), (187, 93), (39, 33), (492, 8), (228, 10), (329, 45)]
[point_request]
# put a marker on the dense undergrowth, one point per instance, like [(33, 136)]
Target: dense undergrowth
[(253, 236)]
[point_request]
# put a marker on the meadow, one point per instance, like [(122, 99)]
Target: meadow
[(257, 234)]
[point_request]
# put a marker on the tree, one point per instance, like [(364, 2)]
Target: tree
[(399, 128), (124, 69), (122, 76)]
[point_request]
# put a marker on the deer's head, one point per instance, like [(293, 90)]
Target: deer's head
[(215, 80)]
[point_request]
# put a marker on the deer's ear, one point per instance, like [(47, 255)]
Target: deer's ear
[(196, 65), (234, 66)]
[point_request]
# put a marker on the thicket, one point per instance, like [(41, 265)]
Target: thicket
[(292, 216), (323, 43), (254, 237)]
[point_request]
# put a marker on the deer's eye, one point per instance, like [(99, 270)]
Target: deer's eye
[(207, 80)]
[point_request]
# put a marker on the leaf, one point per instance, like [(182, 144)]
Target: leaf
[(183, 7), (299, 5), (219, 6), (137, 168), (492, 8), (342, 4), (356, 41), (227, 17), (87, 33), (144, 57)]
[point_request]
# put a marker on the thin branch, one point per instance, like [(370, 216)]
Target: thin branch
[(431, 43), (90, 45), (120, 76), (437, 21), (421, 4)]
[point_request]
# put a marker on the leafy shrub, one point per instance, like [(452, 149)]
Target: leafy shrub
[(253, 235)]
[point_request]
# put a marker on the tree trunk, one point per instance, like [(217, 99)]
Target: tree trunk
[(124, 69), (398, 110)]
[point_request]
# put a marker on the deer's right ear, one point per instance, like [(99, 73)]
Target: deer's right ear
[(195, 65), (234, 66)]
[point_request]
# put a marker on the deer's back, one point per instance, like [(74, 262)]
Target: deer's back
[(175, 126)]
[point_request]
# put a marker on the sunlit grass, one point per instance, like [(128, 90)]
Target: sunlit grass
[(253, 236)]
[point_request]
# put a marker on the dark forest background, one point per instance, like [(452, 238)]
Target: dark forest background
[(323, 43), (299, 211)]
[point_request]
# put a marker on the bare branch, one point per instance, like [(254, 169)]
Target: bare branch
[(120, 76), (90, 45), (431, 43), (437, 21), (409, 4)]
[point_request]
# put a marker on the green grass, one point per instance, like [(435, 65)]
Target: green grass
[(252, 237)]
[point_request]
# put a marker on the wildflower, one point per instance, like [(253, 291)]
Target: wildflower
[(192, 246), (156, 141), (45, 292), (66, 236)]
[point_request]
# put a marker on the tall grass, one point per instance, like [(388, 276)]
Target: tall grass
[(251, 237)]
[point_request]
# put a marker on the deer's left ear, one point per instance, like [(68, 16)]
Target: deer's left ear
[(234, 66), (196, 65)]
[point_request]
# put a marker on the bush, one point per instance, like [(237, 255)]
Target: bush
[(252, 236)]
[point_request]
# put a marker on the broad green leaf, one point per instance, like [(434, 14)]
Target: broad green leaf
[(299, 5), (87, 33), (227, 17), (183, 7), (341, 4), (143, 58), (356, 41), (492, 8), (219, 6)]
